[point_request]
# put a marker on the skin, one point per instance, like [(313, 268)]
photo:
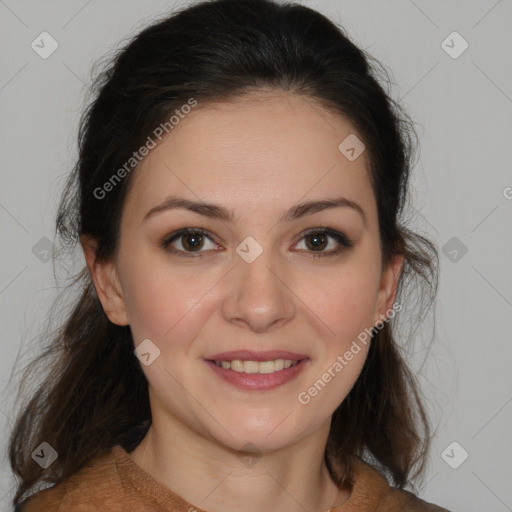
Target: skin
[(257, 156)]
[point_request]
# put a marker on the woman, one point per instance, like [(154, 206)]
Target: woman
[(237, 197)]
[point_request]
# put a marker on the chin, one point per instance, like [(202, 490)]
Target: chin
[(255, 435)]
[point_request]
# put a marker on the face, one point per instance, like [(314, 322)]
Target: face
[(303, 283)]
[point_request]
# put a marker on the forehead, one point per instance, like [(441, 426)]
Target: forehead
[(261, 150)]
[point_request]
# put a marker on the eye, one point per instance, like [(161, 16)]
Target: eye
[(317, 240), (186, 241)]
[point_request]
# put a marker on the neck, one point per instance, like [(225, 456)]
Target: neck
[(214, 477)]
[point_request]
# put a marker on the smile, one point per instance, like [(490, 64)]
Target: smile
[(257, 375), (256, 366)]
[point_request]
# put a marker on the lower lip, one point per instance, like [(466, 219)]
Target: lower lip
[(258, 381)]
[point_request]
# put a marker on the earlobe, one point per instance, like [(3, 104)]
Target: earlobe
[(388, 287), (106, 282)]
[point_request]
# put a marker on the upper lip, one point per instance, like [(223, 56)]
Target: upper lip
[(251, 355)]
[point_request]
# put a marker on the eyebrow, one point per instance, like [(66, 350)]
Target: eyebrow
[(214, 211)]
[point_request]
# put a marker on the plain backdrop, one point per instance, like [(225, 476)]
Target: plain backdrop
[(461, 101)]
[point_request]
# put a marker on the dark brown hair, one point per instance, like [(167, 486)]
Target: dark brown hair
[(94, 394)]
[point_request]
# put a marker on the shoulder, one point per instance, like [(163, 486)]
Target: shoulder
[(49, 500), (371, 486), (85, 491), (412, 503)]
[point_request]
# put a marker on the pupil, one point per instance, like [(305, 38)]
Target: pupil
[(196, 240), (318, 241)]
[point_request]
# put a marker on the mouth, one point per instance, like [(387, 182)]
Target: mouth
[(257, 371), (251, 367)]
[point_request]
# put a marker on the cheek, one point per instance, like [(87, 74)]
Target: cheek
[(343, 297), (343, 301), (160, 300)]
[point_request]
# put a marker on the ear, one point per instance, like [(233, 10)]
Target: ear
[(388, 287), (106, 281)]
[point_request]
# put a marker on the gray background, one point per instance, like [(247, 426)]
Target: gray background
[(462, 195)]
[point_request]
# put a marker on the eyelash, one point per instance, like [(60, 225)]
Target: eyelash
[(343, 241)]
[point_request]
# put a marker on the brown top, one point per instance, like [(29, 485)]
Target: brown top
[(115, 483)]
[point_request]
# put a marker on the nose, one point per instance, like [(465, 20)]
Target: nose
[(259, 295)]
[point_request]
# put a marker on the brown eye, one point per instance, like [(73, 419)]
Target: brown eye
[(187, 241), (192, 241), (318, 239)]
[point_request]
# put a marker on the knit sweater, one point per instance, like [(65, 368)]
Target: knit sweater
[(115, 483)]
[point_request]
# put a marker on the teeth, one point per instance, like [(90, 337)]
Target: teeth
[(256, 366)]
